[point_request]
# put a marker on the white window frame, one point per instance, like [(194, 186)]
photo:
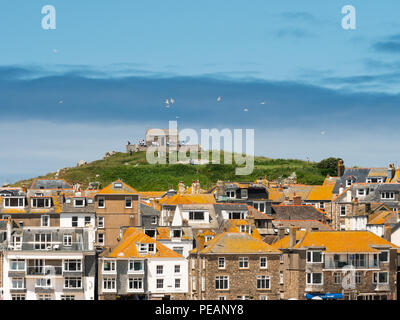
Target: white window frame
[(265, 259), (244, 261), (78, 263), (388, 195), (133, 280), (17, 245), (72, 221), (47, 202), (131, 201), (223, 279), (312, 278), (101, 241), (231, 194), (18, 263), (312, 256), (388, 256), (98, 202), (42, 220), (8, 199), (20, 281), (43, 283), (113, 266), (131, 266), (77, 205), (341, 211), (221, 259), (266, 279), (109, 281), (100, 222), (67, 240), (375, 277), (157, 283), (158, 268)]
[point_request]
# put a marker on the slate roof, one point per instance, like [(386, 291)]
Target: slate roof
[(147, 210), (337, 241), (359, 175), (301, 224), (219, 207), (297, 212), (50, 184)]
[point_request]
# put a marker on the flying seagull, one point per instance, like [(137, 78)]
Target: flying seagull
[(262, 102), (219, 99), (167, 103), (171, 101), (245, 110)]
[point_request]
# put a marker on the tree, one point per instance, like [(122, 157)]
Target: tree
[(329, 166)]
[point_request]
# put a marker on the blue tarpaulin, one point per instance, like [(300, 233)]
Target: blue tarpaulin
[(325, 296)]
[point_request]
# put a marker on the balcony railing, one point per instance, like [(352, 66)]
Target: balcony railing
[(44, 271), (355, 264)]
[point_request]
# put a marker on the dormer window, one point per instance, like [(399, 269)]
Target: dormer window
[(143, 248), (151, 247), (177, 233), (236, 215), (387, 195), (208, 238), (362, 192), (150, 232), (349, 182), (231, 194), (41, 202), (79, 203), (244, 193), (11, 202), (117, 185), (196, 215), (244, 228), (260, 206)]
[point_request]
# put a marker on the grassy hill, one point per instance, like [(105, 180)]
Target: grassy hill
[(135, 171)]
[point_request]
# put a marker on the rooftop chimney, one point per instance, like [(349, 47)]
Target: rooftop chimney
[(292, 237), (391, 171), (281, 232), (355, 206), (296, 200), (341, 189), (9, 231), (220, 188), (348, 196), (340, 168), (387, 234), (181, 187), (200, 240)]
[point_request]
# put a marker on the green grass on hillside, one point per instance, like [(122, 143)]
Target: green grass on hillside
[(135, 171)]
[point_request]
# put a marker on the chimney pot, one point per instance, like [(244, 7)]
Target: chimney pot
[(292, 237)]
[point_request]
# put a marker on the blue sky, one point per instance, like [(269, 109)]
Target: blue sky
[(113, 64)]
